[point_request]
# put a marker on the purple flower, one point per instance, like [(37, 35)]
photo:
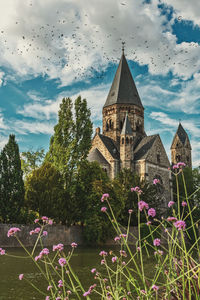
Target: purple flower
[(181, 164), (155, 287), (103, 262), (37, 230), (58, 247), (93, 270), (180, 225), (171, 219), (152, 212), (86, 294), (45, 233), (74, 245), (103, 209), (123, 253), (104, 197), (49, 287), (21, 276), (123, 235), (130, 211), (31, 232), (170, 203), (36, 220), (142, 205), (114, 259), (45, 219), (50, 222), (184, 203), (148, 223), (155, 181), (136, 189), (12, 231), (47, 298), (117, 238), (62, 261), (103, 253), (44, 251), (156, 242), (2, 251)]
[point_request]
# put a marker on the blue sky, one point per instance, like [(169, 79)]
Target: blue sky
[(54, 49)]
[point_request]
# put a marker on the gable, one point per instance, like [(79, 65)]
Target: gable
[(157, 154)]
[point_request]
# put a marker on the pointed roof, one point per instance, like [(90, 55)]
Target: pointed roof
[(95, 155), (123, 89), (142, 150), (127, 126), (182, 134)]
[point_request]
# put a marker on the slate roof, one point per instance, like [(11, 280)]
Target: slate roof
[(95, 155), (123, 89), (110, 145), (141, 151), (181, 134), (127, 126)]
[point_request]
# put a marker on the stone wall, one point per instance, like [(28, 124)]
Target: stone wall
[(56, 234)]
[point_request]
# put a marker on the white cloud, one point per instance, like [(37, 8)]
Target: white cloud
[(25, 127), (66, 39), (186, 10), (1, 78)]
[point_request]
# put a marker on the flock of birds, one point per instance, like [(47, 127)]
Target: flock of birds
[(54, 43)]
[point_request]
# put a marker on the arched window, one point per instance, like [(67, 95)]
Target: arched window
[(122, 140), (127, 140), (110, 124), (107, 127)]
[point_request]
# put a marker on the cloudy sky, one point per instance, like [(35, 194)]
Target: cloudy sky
[(64, 48)]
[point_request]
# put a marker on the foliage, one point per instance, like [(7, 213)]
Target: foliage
[(122, 186), (30, 160), (71, 141), (45, 192), (123, 273), (11, 182)]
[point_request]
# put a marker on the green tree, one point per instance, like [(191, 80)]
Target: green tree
[(122, 185), (11, 182), (31, 160), (45, 192)]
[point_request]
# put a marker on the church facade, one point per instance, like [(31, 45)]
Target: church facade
[(124, 143)]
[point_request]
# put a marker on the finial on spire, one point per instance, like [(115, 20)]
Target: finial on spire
[(123, 43)]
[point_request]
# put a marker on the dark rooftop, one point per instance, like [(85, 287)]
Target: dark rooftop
[(110, 145), (127, 126), (144, 146), (95, 155), (123, 89)]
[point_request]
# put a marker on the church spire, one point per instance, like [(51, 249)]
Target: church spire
[(123, 89), (127, 126)]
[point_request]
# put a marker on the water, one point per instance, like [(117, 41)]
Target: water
[(12, 288)]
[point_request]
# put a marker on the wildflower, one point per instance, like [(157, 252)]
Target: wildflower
[(175, 167), (155, 181), (69, 292), (44, 251), (38, 257), (32, 232), (47, 298), (130, 211), (148, 223), (155, 287), (58, 298), (114, 259), (138, 249), (152, 212), (50, 222), (143, 292), (36, 220), (49, 287), (45, 219), (45, 233), (123, 235), (2, 251), (37, 230), (184, 203), (74, 245), (93, 270), (103, 262), (180, 225), (103, 253), (142, 205), (58, 247), (136, 189), (123, 263), (156, 242), (12, 231), (104, 197), (21, 276), (117, 238), (181, 164), (103, 209), (123, 253), (171, 219), (62, 261), (86, 294), (160, 252), (170, 203), (60, 283)]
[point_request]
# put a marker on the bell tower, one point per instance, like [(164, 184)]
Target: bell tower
[(123, 97), (181, 148)]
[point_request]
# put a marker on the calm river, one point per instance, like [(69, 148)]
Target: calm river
[(12, 288)]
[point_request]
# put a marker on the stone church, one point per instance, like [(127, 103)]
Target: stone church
[(124, 143)]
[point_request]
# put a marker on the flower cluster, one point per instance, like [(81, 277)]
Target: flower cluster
[(179, 165), (170, 203), (2, 251), (104, 197), (155, 181), (152, 212), (103, 253), (156, 242), (44, 220), (136, 189), (89, 291), (180, 225), (74, 245), (142, 205), (12, 231), (62, 261), (103, 209), (58, 247), (35, 231), (44, 251)]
